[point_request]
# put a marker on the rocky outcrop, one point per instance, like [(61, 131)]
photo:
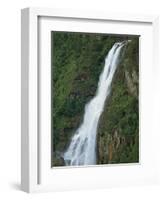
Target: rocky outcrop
[(58, 161), (132, 82), (109, 147)]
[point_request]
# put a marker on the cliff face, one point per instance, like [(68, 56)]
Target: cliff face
[(77, 61), (118, 133)]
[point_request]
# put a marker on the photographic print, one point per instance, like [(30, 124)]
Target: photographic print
[(95, 99)]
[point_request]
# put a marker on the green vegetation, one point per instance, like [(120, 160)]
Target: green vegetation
[(77, 61)]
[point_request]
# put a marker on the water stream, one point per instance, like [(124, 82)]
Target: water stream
[(82, 148)]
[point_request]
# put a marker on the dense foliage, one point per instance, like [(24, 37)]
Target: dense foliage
[(77, 61)]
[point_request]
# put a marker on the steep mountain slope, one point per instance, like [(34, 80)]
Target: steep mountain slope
[(77, 61)]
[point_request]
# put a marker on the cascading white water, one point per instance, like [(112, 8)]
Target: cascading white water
[(82, 148)]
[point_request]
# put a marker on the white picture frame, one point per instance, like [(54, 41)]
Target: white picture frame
[(36, 172)]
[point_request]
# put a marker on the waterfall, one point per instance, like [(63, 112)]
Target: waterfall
[(82, 148)]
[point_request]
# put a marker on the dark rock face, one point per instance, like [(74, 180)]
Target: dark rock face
[(58, 159)]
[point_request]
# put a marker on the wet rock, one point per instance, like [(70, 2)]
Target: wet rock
[(58, 159), (58, 162)]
